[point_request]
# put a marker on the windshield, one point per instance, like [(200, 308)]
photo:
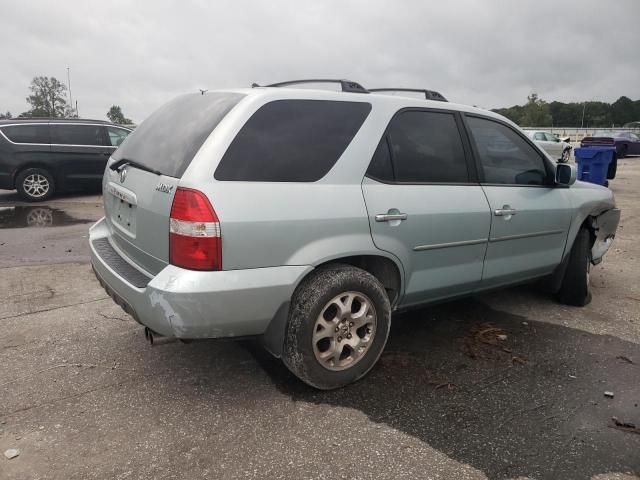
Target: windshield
[(167, 140)]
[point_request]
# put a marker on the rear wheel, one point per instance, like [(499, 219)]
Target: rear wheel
[(338, 326), (575, 289), (35, 184)]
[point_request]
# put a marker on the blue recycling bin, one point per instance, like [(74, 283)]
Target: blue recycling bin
[(593, 163)]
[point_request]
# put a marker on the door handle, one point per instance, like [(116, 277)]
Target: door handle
[(388, 217), (505, 211)]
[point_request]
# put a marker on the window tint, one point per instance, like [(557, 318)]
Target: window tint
[(117, 135), (380, 167), (77, 134), (27, 133), (292, 141), (504, 155), (426, 147), (168, 140)]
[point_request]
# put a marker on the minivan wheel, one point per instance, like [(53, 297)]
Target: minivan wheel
[(575, 289), (338, 325), (35, 184)]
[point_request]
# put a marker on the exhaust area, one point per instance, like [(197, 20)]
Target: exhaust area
[(155, 339)]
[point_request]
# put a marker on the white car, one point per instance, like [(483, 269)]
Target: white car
[(550, 143)]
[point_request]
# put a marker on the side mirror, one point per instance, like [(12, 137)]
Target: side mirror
[(566, 174)]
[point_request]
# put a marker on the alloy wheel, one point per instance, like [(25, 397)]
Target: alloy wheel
[(36, 185), (344, 331)]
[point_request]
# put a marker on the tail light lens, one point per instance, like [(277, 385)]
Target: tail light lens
[(195, 242)]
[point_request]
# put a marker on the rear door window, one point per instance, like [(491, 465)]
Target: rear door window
[(292, 141), (424, 147), (62, 134), (168, 140), (27, 133)]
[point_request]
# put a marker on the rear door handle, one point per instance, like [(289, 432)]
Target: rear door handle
[(504, 211), (388, 217)]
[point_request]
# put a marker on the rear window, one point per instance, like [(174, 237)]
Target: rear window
[(292, 141), (168, 140), (77, 134), (27, 133)]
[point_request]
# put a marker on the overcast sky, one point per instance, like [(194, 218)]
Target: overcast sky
[(139, 54)]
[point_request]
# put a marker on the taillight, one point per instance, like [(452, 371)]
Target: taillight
[(194, 232)]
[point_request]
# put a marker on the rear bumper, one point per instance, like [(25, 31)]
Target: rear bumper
[(191, 304)]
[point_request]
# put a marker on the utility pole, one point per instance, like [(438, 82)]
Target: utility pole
[(584, 106), (70, 97)]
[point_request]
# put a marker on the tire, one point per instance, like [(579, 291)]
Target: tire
[(612, 169), (575, 289), (316, 326), (35, 184), (566, 155), (622, 152)]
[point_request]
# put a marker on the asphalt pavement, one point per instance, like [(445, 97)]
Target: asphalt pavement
[(508, 384)]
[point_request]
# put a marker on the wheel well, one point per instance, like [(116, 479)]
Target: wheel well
[(384, 269), (31, 165)]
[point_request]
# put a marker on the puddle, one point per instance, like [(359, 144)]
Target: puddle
[(36, 217)]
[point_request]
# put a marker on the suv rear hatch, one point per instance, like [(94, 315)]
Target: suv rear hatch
[(142, 176)]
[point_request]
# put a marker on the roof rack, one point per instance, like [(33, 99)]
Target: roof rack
[(347, 85), (428, 94)]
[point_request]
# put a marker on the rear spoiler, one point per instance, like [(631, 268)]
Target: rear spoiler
[(598, 141)]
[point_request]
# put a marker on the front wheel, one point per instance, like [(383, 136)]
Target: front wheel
[(575, 289), (338, 326), (35, 184)]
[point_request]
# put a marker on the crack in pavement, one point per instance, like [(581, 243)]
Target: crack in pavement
[(54, 308)]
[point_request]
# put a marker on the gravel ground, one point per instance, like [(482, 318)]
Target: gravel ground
[(83, 396)]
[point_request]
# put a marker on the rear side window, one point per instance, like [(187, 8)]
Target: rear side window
[(27, 133), (168, 140), (77, 134), (505, 156), (425, 147), (116, 135), (292, 141)]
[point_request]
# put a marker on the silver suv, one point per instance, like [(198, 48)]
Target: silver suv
[(307, 217)]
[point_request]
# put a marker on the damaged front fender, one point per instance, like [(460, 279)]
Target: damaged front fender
[(604, 226)]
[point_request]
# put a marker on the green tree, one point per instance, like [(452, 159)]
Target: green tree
[(48, 98), (115, 115), (536, 112), (624, 111), (5, 116)]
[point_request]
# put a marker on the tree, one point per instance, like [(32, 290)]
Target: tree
[(536, 113), (5, 116), (47, 98), (115, 115)]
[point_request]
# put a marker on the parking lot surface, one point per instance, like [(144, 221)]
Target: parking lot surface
[(508, 384)]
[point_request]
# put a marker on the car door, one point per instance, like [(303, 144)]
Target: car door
[(425, 205), (81, 152), (634, 145), (530, 214)]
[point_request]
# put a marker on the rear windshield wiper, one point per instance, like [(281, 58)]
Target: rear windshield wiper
[(124, 161)]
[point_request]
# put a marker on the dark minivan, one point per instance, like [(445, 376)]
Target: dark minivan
[(39, 157)]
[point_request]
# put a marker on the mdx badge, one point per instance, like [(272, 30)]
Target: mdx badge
[(164, 188)]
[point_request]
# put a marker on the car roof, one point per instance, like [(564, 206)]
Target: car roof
[(398, 102)]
